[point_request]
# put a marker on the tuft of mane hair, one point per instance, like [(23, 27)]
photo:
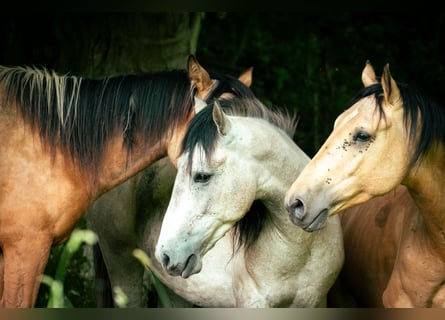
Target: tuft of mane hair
[(79, 116)]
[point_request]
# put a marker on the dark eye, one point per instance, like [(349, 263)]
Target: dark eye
[(361, 136), (201, 177)]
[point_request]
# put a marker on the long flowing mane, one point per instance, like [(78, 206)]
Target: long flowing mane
[(78, 116), (417, 107), (202, 131)]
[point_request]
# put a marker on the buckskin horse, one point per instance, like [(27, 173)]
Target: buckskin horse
[(391, 134)]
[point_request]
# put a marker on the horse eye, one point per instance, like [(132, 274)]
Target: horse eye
[(201, 177), (361, 136)]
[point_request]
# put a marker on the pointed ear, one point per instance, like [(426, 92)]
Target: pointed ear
[(199, 77), (391, 91), (199, 104), (246, 77), (368, 75), (221, 120)]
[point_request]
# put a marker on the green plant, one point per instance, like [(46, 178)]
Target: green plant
[(57, 297), (159, 287)]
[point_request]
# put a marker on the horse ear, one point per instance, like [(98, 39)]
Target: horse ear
[(221, 120), (391, 91), (246, 77), (199, 77), (368, 75), (199, 104)]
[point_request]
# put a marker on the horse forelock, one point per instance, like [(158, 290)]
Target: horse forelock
[(228, 84), (80, 115), (203, 131), (416, 107)]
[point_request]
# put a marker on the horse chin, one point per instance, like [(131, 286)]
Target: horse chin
[(318, 223), (193, 265)]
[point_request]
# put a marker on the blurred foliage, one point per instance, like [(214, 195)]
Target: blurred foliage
[(98, 44), (70, 264), (308, 62), (311, 62), (56, 295)]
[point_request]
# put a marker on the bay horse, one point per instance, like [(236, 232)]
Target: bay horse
[(391, 135), (225, 240), (67, 140), (129, 216)]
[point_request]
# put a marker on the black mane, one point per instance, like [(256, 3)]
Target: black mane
[(202, 129), (417, 106), (79, 116)]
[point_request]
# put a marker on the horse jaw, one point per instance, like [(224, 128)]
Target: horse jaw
[(182, 256)]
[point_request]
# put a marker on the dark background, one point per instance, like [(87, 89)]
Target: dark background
[(307, 62)]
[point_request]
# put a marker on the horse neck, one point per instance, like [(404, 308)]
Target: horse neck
[(292, 245), (426, 184), (285, 161), (119, 164)]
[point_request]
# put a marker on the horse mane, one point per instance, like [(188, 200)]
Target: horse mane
[(203, 131), (78, 116), (417, 107)]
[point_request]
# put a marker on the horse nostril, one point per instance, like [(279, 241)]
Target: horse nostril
[(165, 260), (296, 209)]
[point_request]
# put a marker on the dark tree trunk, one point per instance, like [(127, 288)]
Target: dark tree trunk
[(99, 44)]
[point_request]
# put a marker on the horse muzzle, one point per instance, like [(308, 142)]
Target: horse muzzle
[(300, 216), (185, 269)]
